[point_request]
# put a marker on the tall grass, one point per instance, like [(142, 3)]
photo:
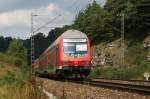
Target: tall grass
[(27, 91), (16, 81), (6, 58)]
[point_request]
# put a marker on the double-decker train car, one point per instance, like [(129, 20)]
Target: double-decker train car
[(69, 55)]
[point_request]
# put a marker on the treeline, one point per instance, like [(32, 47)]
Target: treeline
[(99, 23), (106, 22), (42, 42), (4, 43)]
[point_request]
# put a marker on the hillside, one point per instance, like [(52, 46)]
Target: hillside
[(107, 59)]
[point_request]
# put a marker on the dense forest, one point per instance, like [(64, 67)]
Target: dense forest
[(99, 23)]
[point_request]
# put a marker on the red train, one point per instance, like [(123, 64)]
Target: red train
[(69, 55)]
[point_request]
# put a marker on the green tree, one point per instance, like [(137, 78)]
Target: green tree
[(91, 20), (143, 15), (136, 16), (17, 49), (4, 43)]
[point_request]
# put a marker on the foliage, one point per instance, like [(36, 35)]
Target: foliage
[(14, 82), (12, 78), (135, 72), (27, 91), (9, 59), (95, 72), (131, 8), (1, 66), (10, 73), (16, 56), (91, 20), (136, 54), (4, 43), (135, 65), (17, 49)]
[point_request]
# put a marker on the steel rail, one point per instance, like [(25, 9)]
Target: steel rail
[(132, 87), (127, 85)]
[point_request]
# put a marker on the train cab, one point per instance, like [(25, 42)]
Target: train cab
[(75, 54)]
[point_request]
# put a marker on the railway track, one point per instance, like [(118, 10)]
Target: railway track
[(92, 89), (129, 85)]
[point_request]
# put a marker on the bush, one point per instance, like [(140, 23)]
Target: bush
[(6, 58), (124, 73), (17, 49), (95, 72), (18, 62), (2, 66), (12, 78)]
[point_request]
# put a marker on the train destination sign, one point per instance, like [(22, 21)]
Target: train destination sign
[(81, 47), (74, 40)]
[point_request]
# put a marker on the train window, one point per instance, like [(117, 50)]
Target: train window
[(75, 49), (69, 48), (81, 47)]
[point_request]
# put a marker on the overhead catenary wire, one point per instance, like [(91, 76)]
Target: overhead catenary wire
[(44, 25), (62, 14), (74, 6)]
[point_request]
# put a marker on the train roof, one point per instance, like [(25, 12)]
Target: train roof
[(69, 34), (73, 34)]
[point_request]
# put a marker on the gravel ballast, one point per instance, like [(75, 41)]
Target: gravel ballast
[(69, 90)]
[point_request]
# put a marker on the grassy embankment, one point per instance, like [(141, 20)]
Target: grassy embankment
[(135, 64), (15, 82)]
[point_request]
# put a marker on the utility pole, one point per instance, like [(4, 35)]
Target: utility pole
[(33, 30), (32, 41), (122, 39)]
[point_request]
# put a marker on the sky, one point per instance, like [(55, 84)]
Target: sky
[(15, 15)]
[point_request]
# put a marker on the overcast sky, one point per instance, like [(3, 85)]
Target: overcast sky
[(15, 14)]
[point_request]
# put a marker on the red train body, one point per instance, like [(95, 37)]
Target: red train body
[(68, 55)]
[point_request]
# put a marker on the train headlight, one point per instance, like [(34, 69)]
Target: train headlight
[(60, 67)]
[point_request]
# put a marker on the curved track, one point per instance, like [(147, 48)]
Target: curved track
[(129, 85)]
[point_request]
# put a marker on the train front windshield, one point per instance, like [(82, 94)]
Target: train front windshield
[(75, 49)]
